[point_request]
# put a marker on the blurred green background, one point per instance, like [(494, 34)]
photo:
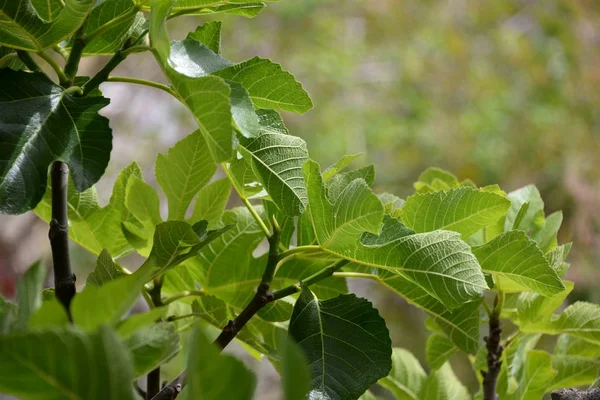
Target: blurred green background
[(500, 92)]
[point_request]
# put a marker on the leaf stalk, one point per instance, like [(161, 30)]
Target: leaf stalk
[(62, 78)]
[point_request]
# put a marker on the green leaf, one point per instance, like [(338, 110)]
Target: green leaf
[(47, 124), (29, 294), (175, 242), (567, 345), (546, 236), (346, 342), (439, 350), (461, 324), (211, 201), (51, 314), (47, 10), (528, 194), (339, 182), (242, 111), (106, 270), (23, 28), (113, 38), (463, 210), (207, 97), (8, 315), (277, 161), (534, 310), (517, 264), (536, 377), (434, 179), (440, 262), (580, 319), (294, 270), (143, 202), (209, 34), (151, 346), (336, 168), (248, 8), (106, 304), (13, 61), (392, 205), (520, 215), (138, 321), (269, 85), (183, 172), (295, 375), (95, 366), (572, 371), (442, 384), (407, 376), (92, 227), (210, 375)]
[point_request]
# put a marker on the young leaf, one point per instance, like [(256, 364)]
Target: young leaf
[(106, 304), (209, 34), (434, 179), (277, 160), (346, 342), (183, 171), (51, 314), (336, 168), (518, 264), (528, 194), (65, 128), (151, 346), (567, 345), (247, 8), (442, 384), (295, 375), (113, 38), (407, 376), (99, 366), (534, 310), (23, 28), (175, 242), (134, 322), (439, 350), (210, 374), (211, 202), (546, 235), (143, 202), (581, 320), (92, 227), (339, 182), (463, 210), (29, 294), (106, 270), (536, 377), (269, 85)]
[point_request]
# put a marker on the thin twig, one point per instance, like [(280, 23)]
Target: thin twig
[(62, 79), (153, 378), (64, 279), (103, 74)]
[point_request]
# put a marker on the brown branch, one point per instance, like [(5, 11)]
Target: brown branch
[(64, 279), (494, 349)]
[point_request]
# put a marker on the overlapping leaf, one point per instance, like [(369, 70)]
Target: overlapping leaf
[(346, 343), (463, 210), (99, 366), (22, 27), (443, 384), (407, 376), (536, 376), (105, 271), (439, 262), (41, 123), (151, 346), (210, 375), (439, 350), (518, 264), (209, 34), (277, 160), (183, 171), (573, 371)]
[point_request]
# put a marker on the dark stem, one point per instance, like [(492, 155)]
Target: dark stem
[(494, 349), (260, 299), (104, 73), (153, 378), (72, 64), (29, 62), (64, 279)]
